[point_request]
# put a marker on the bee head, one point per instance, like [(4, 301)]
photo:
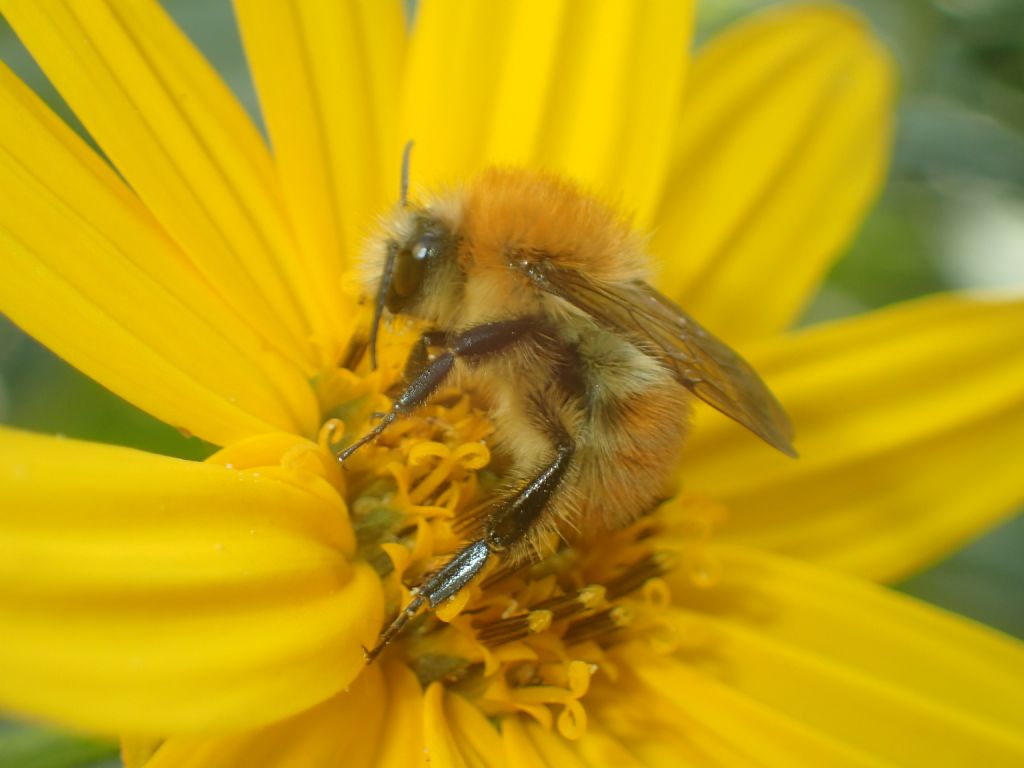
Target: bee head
[(412, 262), (419, 260), (417, 265)]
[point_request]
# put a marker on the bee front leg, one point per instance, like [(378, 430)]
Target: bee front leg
[(508, 524), (419, 355), (473, 345), (418, 359)]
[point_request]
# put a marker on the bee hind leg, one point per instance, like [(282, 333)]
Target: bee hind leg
[(446, 582), (508, 524), (513, 519)]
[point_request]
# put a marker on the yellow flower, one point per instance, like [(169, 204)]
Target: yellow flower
[(215, 612)]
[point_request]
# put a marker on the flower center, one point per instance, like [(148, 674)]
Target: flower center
[(523, 637)]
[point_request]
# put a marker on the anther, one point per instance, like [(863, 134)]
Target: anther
[(566, 605), (598, 626), (636, 574), (501, 573), (514, 628)]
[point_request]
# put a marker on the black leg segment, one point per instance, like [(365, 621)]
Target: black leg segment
[(509, 523), (458, 572), (473, 345), (511, 520), (419, 355)]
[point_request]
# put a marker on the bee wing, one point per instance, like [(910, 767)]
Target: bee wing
[(701, 363)]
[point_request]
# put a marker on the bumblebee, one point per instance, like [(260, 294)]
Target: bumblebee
[(538, 294)]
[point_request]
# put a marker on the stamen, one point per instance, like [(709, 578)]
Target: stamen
[(471, 521), (504, 631), (654, 564), (332, 431), (553, 685), (504, 571), (566, 605), (468, 456), (598, 626), (703, 568)]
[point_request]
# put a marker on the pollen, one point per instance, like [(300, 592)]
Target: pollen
[(523, 638)]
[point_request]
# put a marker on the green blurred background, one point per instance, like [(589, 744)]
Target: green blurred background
[(951, 217)]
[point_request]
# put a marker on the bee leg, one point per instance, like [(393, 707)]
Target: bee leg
[(507, 525), (419, 355), (446, 582), (514, 518), (418, 359), (473, 345)]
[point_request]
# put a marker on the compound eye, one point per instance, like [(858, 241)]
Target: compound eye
[(411, 267), (425, 247)]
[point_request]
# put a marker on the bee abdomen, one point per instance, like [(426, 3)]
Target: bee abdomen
[(630, 418)]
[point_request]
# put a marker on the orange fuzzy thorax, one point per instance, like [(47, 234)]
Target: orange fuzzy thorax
[(528, 212)]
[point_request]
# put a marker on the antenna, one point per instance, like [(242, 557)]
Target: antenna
[(403, 189), (389, 262), (382, 295)]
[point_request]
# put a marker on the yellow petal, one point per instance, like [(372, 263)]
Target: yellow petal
[(440, 747), (327, 74), (519, 749), (136, 751), (887, 676), (550, 746), (685, 712), (184, 144), (344, 730), (908, 423), (587, 89), (402, 744), (475, 735), (784, 141), (456, 734), (142, 594), (89, 274), (455, 55), (598, 747), (528, 745)]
